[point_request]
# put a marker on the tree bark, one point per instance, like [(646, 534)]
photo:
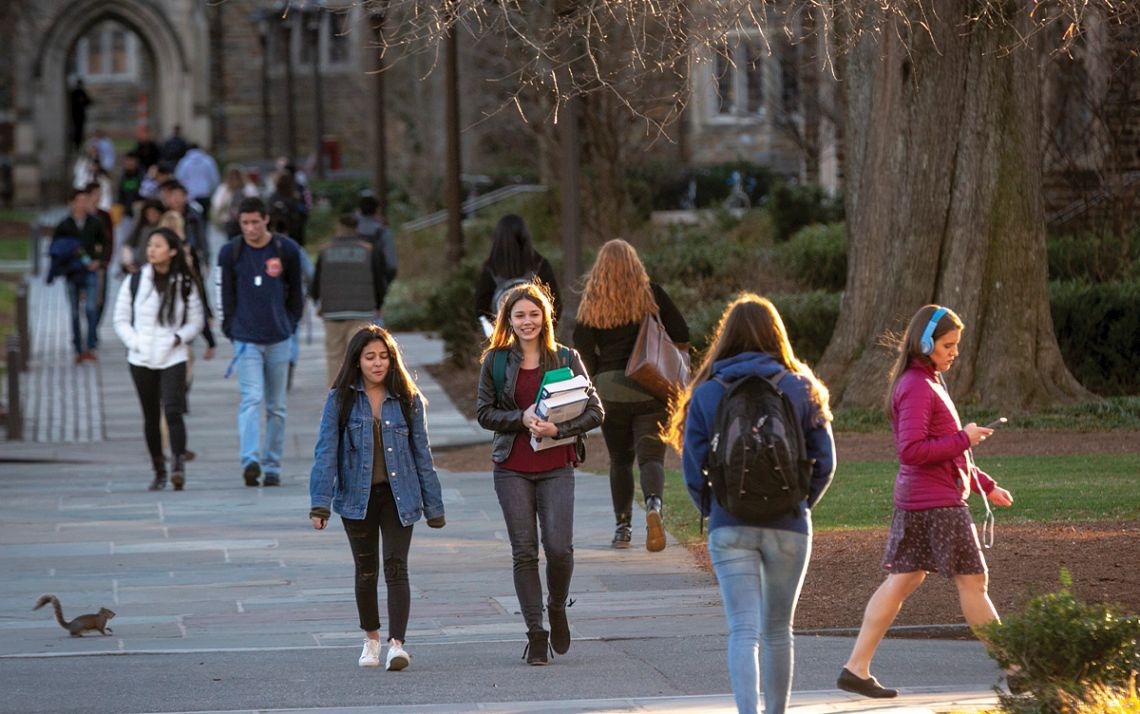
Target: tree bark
[(944, 205)]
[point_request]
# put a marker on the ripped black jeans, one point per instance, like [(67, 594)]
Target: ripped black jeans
[(364, 536)]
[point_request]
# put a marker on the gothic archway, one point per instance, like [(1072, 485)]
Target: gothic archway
[(179, 96)]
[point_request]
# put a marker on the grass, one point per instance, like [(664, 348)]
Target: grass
[(1054, 488), (14, 249), (1107, 413)]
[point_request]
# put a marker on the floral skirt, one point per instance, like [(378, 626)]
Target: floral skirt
[(937, 540)]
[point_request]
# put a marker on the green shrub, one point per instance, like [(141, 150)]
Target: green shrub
[(794, 206), (1094, 258), (664, 186), (1098, 330), (406, 306), (816, 256), (451, 310), (810, 319), (1060, 645)]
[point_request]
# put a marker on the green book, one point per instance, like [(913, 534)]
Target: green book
[(555, 375)]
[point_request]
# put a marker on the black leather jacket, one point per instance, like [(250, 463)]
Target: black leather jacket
[(505, 419)]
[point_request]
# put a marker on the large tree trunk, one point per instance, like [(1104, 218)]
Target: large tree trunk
[(944, 205)]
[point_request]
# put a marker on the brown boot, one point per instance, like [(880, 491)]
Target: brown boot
[(654, 527), (178, 473)]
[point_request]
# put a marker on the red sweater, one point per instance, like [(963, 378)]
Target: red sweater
[(931, 444)]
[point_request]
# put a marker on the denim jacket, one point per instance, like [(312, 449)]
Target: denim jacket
[(342, 465), (505, 419)]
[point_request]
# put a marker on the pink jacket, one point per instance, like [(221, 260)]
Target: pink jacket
[(931, 444)]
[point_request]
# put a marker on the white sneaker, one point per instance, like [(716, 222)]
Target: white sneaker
[(397, 657), (370, 655)]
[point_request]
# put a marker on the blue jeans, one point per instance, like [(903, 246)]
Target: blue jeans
[(263, 371), (549, 497), (88, 284), (760, 571)]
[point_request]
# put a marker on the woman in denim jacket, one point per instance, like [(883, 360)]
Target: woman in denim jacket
[(760, 565), (373, 466), (533, 485)]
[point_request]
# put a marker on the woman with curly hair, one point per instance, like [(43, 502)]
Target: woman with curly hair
[(618, 296)]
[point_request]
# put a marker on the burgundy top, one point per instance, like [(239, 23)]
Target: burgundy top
[(931, 444), (523, 458)]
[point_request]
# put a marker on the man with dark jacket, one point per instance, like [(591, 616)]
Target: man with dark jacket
[(349, 284), (96, 248), (371, 227), (261, 300)]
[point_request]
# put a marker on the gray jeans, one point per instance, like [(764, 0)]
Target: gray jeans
[(549, 498)]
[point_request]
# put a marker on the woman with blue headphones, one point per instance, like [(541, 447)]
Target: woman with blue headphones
[(931, 531)]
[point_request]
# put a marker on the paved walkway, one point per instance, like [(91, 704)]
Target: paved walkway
[(227, 600)]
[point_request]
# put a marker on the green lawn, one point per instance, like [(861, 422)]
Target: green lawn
[(1054, 488), (14, 249), (1108, 413)]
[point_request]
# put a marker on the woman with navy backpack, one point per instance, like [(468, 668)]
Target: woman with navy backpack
[(759, 563), (535, 487)]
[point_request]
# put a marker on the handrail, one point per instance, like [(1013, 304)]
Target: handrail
[(472, 205), (1082, 205)]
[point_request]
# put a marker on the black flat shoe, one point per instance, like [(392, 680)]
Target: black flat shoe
[(868, 687)]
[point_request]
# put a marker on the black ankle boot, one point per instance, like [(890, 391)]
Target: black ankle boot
[(159, 481), (559, 627), (654, 527), (536, 653), (623, 532), (177, 472)]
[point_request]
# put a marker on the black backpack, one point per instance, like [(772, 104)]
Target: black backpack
[(503, 285), (757, 464)]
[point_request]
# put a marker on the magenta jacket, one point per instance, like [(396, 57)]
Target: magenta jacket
[(930, 443)]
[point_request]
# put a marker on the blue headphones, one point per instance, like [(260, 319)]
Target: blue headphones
[(927, 342)]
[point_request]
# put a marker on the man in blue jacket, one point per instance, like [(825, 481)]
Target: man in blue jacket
[(83, 285), (262, 299)]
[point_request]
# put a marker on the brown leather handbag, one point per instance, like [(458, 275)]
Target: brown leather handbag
[(656, 363)]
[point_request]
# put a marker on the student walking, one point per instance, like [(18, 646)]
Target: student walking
[(261, 303), (373, 466), (349, 285), (83, 285), (759, 562), (931, 531), (533, 485), (159, 310), (513, 261), (618, 296)]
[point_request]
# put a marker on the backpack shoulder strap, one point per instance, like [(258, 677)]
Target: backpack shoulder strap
[(774, 380), (235, 247), (136, 279), (499, 372), (563, 356)]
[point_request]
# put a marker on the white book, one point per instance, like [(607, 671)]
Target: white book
[(562, 406), (578, 381), (542, 443)]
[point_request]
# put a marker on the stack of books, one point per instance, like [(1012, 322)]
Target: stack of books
[(561, 398)]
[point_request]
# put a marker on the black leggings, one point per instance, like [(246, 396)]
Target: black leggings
[(632, 429), (364, 537), (162, 391)]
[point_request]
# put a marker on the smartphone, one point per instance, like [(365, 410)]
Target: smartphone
[(1000, 421)]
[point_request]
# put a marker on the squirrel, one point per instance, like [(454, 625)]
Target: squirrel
[(81, 624)]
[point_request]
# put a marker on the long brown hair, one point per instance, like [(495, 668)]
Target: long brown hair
[(750, 323), (503, 336), (617, 288), (910, 346), (397, 382)]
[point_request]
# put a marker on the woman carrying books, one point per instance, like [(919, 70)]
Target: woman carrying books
[(535, 486), (617, 298)]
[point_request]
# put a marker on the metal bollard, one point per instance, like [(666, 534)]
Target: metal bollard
[(22, 324), (15, 412)]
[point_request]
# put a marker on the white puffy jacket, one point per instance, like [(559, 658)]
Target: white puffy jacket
[(150, 344)]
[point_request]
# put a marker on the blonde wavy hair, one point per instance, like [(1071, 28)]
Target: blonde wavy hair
[(617, 288), (175, 222), (750, 323)]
